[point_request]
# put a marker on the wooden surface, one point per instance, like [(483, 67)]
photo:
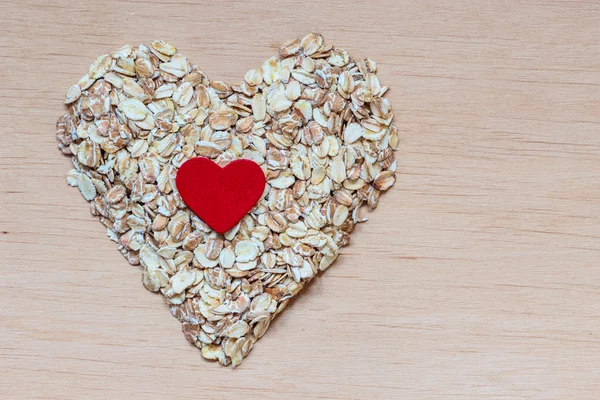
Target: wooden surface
[(477, 278)]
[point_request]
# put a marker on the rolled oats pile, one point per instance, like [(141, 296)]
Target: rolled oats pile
[(313, 118)]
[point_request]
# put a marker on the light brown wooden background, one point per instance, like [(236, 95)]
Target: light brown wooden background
[(477, 278)]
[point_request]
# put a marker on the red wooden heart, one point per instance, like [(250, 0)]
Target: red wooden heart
[(220, 196)]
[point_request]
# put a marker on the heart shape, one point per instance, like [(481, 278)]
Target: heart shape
[(313, 118), (220, 196)]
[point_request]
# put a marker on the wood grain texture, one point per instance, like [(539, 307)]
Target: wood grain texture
[(477, 278)]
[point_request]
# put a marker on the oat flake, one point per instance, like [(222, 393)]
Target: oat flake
[(315, 120)]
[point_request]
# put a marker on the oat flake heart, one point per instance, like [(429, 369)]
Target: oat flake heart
[(313, 118), (220, 196)]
